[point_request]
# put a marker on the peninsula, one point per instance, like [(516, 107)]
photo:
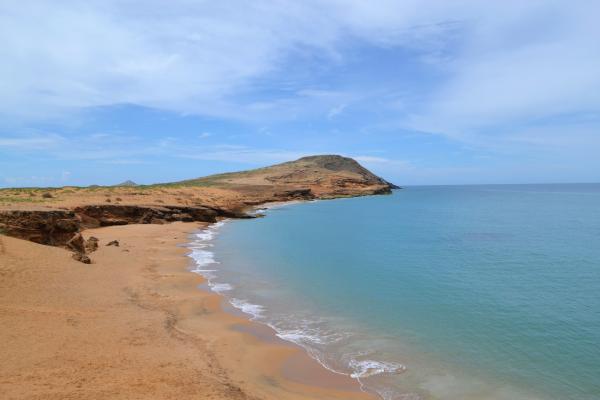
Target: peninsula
[(56, 216), (133, 323)]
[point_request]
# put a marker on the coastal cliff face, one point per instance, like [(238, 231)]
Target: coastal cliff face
[(57, 216)]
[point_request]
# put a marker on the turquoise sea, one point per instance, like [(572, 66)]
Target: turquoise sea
[(439, 292)]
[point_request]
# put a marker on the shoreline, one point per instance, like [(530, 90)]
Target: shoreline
[(298, 367), (133, 324), (295, 371)]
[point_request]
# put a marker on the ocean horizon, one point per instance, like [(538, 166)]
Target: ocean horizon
[(433, 292)]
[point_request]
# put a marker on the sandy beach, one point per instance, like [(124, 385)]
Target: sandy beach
[(134, 324)]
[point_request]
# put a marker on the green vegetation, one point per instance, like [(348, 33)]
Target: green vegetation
[(207, 181), (22, 195), (12, 199)]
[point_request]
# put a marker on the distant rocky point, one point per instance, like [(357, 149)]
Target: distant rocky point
[(65, 212), (324, 176)]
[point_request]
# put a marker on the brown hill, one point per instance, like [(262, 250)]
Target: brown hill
[(55, 216), (326, 176)]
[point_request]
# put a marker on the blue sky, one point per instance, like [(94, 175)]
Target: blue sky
[(421, 92)]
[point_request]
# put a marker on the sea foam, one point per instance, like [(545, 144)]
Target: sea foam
[(367, 368), (246, 307), (221, 287), (204, 257)]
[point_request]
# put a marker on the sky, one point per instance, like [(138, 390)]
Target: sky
[(420, 92)]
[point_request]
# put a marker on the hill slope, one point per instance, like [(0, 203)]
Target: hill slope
[(325, 176), (56, 216)]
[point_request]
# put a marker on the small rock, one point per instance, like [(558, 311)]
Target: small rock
[(47, 195), (91, 244), (76, 243), (108, 200), (81, 258), (113, 243)]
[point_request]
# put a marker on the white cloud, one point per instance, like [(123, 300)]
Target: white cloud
[(336, 110), (137, 150), (187, 57), (112, 149), (32, 180), (495, 63), (244, 155), (519, 64), (30, 142)]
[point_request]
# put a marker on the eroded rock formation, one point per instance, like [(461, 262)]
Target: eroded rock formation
[(63, 228)]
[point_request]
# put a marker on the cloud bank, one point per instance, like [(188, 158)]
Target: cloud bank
[(514, 59), (506, 76)]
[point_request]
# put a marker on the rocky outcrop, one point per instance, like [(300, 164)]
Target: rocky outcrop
[(107, 215), (81, 258), (91, 244), (58, 227), (93, 216), (55, 227), (76, 243), (296, 194), (63, 228)]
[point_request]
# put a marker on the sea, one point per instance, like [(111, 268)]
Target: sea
[(432, 292)]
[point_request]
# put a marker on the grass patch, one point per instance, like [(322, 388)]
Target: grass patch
[(20, 200)]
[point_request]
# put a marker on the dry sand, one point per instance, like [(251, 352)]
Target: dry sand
[(134, 325)]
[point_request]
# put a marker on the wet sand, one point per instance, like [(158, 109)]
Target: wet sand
[(136, 325)]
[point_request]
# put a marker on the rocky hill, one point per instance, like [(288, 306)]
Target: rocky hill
[(56, 216), (326, 176)]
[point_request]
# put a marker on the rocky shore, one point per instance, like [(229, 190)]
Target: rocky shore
[(63, 213)]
